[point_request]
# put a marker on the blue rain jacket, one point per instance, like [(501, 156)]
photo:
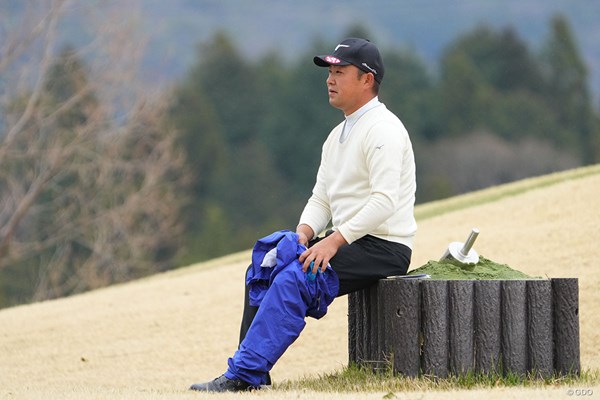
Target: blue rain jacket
[(320, 290)]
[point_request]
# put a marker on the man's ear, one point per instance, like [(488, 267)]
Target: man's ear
[(369, 79)]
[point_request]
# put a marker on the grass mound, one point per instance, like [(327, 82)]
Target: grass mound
[(454, 270)]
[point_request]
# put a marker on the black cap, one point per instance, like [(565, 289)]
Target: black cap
[(358, 52)]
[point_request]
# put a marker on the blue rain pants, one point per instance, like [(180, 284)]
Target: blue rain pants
[(286, 296)]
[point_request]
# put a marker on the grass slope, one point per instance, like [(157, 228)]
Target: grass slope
[(152, 338)]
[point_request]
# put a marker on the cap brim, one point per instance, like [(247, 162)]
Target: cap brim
[(322, 61)]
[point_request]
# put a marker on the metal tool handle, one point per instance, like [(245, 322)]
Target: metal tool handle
[(469, 243)]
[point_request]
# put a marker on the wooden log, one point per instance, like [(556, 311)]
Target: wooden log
[(514, 327), (460, 324), (352, 327), (374, 355), (363, 326), (401, 316), (434, 301), (539, 328), (565, 296), (487, 294), (382, 329), (356, 325)]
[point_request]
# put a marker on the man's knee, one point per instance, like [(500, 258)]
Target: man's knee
[(291, 282), (291, 275)]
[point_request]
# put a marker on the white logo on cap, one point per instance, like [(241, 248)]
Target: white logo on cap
[(373, 70), (332, 60), (340, 45)]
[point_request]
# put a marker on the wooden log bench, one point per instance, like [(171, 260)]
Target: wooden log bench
[(452, 327)]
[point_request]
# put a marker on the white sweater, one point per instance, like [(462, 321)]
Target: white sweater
[(366, 185)]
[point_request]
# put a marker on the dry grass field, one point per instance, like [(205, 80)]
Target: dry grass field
[(152, 338)]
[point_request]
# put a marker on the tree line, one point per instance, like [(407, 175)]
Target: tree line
[(103, 180)]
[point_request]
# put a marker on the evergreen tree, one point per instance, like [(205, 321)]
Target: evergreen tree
[(567, 89), (409, 92), (219, 110), (465, 95), (502, 59), (297, 119)]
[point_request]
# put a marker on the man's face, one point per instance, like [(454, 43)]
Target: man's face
[(346, 88)]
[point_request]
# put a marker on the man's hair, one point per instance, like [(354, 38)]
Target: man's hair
[(375, 83)]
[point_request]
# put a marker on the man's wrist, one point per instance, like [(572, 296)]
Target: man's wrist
[(305, 233), (338, 239), (305, 230)]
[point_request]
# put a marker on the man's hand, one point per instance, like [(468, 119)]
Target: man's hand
[(322, 252)]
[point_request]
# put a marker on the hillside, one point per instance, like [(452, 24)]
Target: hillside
[(153, 337)]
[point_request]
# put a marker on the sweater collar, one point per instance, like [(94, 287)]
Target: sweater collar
[(355, 116)]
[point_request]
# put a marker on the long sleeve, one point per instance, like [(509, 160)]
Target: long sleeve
[(317, 212)]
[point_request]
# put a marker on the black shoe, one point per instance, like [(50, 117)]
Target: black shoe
[(222, 384), (268, 384)]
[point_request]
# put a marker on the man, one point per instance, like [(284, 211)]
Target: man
[(365, 187)]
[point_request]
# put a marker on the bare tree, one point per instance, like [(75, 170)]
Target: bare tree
[(91, 182)]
